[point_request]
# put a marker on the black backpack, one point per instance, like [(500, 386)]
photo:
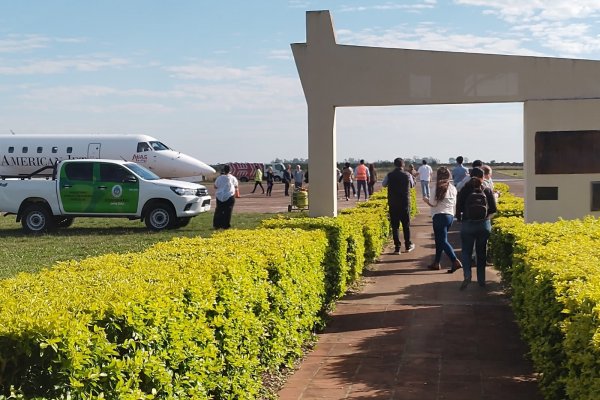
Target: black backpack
[(476, 205)]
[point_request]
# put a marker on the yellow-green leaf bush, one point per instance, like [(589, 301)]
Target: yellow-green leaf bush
[(191, 318), (554, 272), (341, 256)]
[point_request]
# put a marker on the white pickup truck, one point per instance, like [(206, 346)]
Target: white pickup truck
[(100, 188)]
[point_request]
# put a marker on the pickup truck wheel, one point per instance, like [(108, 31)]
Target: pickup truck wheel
[(160, 216), (37, 219), (64, 222)]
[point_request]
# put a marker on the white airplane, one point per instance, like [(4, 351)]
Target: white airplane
[(25, 154)]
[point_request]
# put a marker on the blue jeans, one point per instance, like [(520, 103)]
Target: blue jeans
[(441, 224), (363, 185), (475, 233), (425, 188)]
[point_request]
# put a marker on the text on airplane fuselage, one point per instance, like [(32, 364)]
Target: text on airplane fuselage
[(21, 161)]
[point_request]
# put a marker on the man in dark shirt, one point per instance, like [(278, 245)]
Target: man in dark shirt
[(399, 184)]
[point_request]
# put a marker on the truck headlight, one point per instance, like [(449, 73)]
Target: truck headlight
[(183, 191)]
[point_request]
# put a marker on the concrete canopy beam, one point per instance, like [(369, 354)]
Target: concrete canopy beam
[(334, 75)]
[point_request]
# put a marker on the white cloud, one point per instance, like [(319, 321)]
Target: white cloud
[(58, 66), (281, 55), (426, 4), (22, 43), (26, 43), (428, 37), (538, 10), (549, 22), (210, 72)]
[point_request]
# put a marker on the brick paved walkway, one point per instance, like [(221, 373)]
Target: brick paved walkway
[(411, 334)]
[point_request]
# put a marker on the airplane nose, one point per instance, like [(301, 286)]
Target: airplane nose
[(196, 166)]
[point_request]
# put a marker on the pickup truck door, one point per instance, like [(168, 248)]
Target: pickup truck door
[(117, 190), (98, 188), (75, 187)]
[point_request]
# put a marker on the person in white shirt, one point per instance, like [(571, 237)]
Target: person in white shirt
[(226, 186), (425, 177), (443, 204)]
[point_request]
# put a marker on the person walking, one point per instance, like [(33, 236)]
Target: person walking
[(226, 186), (425, 172), (372, 178), (443, 207), (475, 206), (467, 178), (298, 177), (258, 176), (347, 177), (287, 179), (459, 172), (270, 179), (398, 196), (362, 177)]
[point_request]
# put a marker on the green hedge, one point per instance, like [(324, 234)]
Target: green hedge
[(554, 271), (191, 318)]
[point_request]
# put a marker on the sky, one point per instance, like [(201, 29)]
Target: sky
[(217, 79)]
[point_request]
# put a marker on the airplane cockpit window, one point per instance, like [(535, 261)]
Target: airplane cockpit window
[(143, 146), (55, 149), (40, 149), (25, 149), (11, 149), (69, 150), (159, 146)]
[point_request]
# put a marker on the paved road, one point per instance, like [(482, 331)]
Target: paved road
[(409, 333)]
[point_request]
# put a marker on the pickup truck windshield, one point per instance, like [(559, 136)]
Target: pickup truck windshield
[(142, 172)]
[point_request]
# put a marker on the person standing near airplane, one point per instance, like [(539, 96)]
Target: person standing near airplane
[(287, 178), (226, 186), (258, 180), (298, 177), (270, 179)]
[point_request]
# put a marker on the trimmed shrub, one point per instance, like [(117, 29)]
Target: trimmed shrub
[(554, 271), (173, 322)]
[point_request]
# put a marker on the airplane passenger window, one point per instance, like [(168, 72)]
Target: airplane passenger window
[(39, 149), (11, 149), (55, 149), (25, 149), (69, 150), (79, 171), (159, 146), (143, 146)]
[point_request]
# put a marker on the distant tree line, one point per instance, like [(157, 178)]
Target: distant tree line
[(389, 164)]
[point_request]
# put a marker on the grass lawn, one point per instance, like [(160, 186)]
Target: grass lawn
[(517, 173), (94, 236)]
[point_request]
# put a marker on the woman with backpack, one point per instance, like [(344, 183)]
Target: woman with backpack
[(475, 207), (443, 205)]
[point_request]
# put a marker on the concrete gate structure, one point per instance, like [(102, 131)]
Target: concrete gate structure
[(561, 110)]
